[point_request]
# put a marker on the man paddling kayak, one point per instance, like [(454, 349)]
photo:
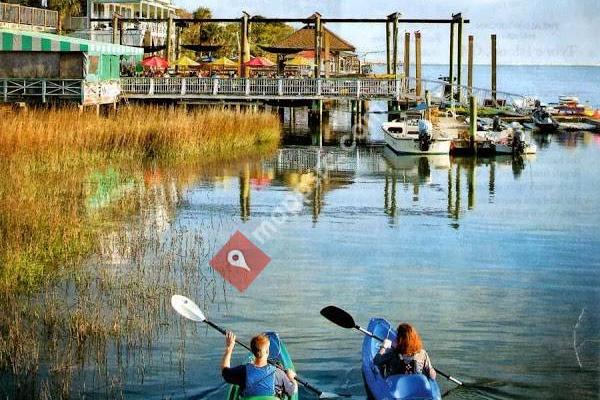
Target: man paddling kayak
[(257, 378), (408, 356)]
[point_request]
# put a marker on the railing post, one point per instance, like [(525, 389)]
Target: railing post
[(43, 90), (6, 90), (280, 86), (358, 88), (319, 86), (247, 82), (215, 86), (151, 89), (183, 86)]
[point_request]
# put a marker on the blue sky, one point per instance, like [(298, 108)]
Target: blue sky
[(529, 32)]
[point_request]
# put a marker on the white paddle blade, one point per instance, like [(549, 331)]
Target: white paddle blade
[(187, 308)]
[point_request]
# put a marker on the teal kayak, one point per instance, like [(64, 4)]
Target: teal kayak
[(278, 354), (400, 387)]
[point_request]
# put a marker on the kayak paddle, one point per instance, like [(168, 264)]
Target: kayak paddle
[(190, 310), (342, 318)]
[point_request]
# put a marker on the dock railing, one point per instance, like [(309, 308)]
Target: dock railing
[(40, 89), (291, 88), (17, 14)]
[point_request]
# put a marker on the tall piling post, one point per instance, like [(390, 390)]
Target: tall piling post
[(388, 58), (470, 66), (406, 56), (394, 17), (244, 45), (472, 121), (318, 44), (418, 63), (494, 68), (451, 61), (459, 54)]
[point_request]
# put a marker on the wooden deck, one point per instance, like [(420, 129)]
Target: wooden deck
[(267, 88)]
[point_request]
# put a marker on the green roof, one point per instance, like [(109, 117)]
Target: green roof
[(16, 40)]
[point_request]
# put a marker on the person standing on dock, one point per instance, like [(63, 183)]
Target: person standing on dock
[(257, 378)]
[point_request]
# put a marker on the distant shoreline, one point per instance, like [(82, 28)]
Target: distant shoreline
[(507, 65)]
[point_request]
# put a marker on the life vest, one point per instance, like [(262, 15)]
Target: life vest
[(408, 366), (259, 381)]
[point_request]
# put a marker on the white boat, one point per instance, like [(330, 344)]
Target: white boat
[(415, 135), (511, 141)]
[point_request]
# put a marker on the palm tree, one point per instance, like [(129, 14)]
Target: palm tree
[(65, 8)]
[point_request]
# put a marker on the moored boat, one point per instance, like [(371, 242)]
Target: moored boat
[(414, 135), (543, 120), (401, 387), (278, 354), (511, 141)]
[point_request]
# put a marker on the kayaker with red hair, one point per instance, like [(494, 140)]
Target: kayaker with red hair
[(407, 356)]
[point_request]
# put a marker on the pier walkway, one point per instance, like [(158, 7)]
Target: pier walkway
[(272, 88), (251, 89)]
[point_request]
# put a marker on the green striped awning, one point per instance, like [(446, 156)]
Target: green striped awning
[(16, 40)]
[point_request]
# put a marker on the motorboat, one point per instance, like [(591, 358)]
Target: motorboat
[(543, 120), (511, 140), (413, 134)]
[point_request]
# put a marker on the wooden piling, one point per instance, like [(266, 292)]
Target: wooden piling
[(244, 45), (388, 57), (407, 56), (472, 120), (418, 63), (326, 55), (494, 67), (395, 43), (451, 59), (459, 55), (470, 66), (318, 32)]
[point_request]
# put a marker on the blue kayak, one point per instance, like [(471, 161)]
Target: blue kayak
[(405, 387)]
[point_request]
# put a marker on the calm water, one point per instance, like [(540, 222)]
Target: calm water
[(493, 260), (496, 262), (544, 82)]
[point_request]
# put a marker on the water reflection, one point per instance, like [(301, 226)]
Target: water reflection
[(434, 184)]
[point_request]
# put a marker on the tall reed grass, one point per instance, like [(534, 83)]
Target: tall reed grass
[(61, 310), (169, 133)]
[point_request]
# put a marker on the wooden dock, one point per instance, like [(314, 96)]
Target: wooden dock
[(270, 88)]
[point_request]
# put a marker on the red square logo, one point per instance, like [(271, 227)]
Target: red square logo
[(239, 261)]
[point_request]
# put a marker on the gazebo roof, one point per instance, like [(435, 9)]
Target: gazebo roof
[(304, 39)]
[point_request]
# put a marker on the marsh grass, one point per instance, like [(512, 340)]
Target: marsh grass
[(84, 285)]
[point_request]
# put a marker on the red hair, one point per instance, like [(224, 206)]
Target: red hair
[(409, 341)]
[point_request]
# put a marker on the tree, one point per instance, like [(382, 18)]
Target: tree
[(267, 34), (228, 35)]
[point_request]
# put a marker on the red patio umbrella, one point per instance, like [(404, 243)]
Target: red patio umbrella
[(156, 62), (259, 62)]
